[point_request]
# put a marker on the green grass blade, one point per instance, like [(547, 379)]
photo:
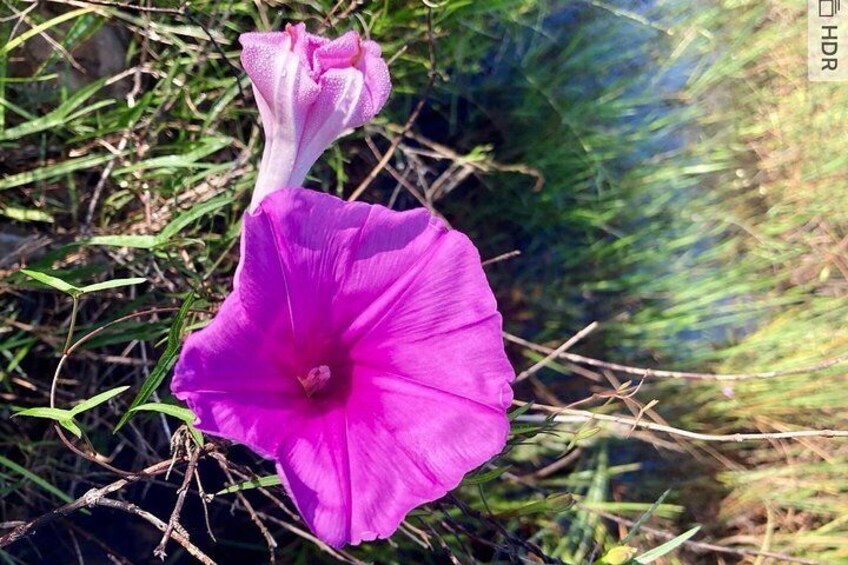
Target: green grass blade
[(164, 365), (667, 547), (44, 485), (267, 481)]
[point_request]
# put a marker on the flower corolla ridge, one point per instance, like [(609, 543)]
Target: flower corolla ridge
[(310, 90), (361, 350)]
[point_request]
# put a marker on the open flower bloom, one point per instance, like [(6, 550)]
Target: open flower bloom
[(309, 90), (360, 349)]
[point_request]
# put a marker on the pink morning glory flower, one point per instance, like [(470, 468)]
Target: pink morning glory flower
[(360, 349), (309, 90)]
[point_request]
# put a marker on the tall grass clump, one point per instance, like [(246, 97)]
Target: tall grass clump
[(664, 171)]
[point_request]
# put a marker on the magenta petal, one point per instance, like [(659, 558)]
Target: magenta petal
[(314, 467), (410, 445), (443, 305), (345, 260)]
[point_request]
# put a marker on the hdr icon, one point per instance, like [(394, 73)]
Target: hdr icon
[(825, 28)]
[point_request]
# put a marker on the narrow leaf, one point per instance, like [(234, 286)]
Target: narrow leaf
[(186, 218), (134, 241), (645, 517), (115, 283), (165, 363), (485, 477), (72, 427), (667, 547), (177, 412), (52, 281), (49, 413), (11, 465), (268, 481), (97, 400)]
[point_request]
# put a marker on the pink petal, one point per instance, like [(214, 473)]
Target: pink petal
[(339, 257), (234, 377), (443, 305), (410, 445), (313, 465), (336, 109)]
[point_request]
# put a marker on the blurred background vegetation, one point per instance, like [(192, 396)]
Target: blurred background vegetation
[(664, 168)]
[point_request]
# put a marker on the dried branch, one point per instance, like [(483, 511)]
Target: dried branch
[(431, 80), (181, 495), (571, 416), (557, 352), (574, 358)]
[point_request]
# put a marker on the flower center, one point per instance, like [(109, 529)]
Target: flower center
[(315, 380)]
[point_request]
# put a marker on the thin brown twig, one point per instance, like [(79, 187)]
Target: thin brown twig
[(181, 495), (501, 257), (571, 416), (557, 352), (431, 80), (88, 499), (67, 351), (630, 370), (178, 537), (251, 512)]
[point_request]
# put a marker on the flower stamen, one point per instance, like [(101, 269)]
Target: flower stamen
[(315, 380)]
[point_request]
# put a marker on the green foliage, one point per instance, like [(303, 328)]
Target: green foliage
[(699, 219), (184, 414), (164, 365), (268, 481), (74, 291), (65, 418)]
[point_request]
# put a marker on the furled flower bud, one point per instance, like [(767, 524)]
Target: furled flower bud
[(310, 90)]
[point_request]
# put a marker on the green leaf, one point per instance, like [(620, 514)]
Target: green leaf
[(134, 241), (50, 413), (485, 477), (9, 464), (26, 214), (71, 426), (554, 504), (61, 115), (167, 233), (195, 435), (667, 547), (97, 400), (520, 411), (52, 282), (57, 170), (115, 283), (165, 363), (177, 412), (645, 517), (35, 30), (268, 481), (186, 218)]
